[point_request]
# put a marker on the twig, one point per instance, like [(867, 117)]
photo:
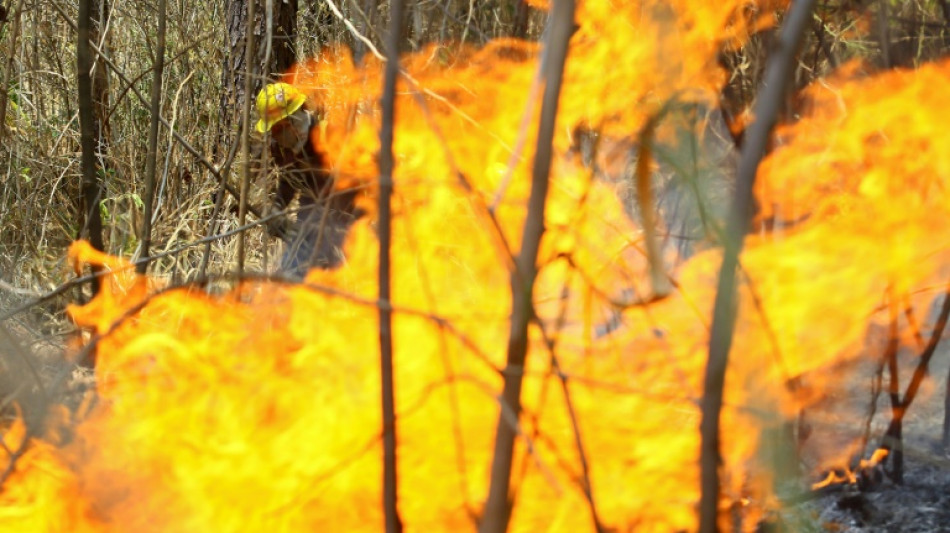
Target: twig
[(454, 404), (21, 449), (218, 205), (415, 84), (62, 289), (550, 342), (151, 156), (16, 290), (498, 505), (482, 207), (877, 385), (349, 25), (521, 140), (386, 164), (585, 483), (168, 151), (771, 96), (208, 165)]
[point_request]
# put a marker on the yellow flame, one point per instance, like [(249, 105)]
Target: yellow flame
[(259, 409)]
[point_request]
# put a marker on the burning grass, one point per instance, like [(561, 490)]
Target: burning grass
[(258, 409)]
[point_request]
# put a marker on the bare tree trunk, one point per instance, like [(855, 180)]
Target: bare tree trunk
[(777, 77), (282, 56), (92, 131), (151, 157), (498, 505), (8, 64), (386, 163)]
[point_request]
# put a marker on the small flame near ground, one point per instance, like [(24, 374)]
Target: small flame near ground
[(847, 475), (259, 409)]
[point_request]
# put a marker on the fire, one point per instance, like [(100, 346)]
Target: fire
[(259, 409), (849, 476)]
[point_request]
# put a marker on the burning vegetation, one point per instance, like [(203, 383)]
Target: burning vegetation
[(258, 409)]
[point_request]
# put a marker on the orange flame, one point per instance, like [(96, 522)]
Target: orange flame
[(259, 409), (849, 476)]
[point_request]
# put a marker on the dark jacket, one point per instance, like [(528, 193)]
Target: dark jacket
[(325, 214)]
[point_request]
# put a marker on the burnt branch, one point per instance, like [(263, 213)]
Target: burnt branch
[(920, 372)]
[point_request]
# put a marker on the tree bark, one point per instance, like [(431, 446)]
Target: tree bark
[(265, 68), (8, 64), (151, 157), (92, 85)]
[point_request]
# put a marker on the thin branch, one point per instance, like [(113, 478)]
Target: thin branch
[(208, 165), (218, 205), (920, 372), (384, 229), (349, 25), (151, 157), (82, 280), (454, 402), (777, 76), (245, 129), (551, 344), (21, 449), (415, 84), (498, 505)]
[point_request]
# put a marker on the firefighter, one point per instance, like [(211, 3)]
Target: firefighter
[(315, 237)]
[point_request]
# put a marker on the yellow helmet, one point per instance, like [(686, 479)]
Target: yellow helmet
[(275, 102)]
